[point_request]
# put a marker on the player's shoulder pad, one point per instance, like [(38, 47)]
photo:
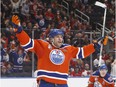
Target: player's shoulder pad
[(43, 41), (108, 78), (64, 45), (96, 73)]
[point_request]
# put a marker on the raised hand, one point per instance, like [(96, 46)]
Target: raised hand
[(16, 24)]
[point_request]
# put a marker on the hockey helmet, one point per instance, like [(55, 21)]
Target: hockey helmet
[(55, 32), (103, 66)]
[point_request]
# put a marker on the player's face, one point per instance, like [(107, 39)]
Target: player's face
[(58, 40), (103, 72)]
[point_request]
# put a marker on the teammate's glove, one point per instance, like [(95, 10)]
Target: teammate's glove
[(16, 24), (97, 44)]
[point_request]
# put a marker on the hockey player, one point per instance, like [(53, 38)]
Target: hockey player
[(53, 57), (101, 78)]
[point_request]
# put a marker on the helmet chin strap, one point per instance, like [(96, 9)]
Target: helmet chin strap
[(54, 44)]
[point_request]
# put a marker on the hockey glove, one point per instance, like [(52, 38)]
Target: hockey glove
[(16, 24), (97, 44)]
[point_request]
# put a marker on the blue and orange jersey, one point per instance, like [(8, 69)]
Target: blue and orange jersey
[(95, 79), (53, 63)]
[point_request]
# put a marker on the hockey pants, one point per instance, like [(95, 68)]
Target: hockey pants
[(47, 84)]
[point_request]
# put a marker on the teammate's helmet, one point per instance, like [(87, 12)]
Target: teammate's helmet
[(103, 66), (55, 32)]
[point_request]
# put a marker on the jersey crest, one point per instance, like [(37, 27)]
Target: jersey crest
[(20, 60), (97, 84), (57, 57)]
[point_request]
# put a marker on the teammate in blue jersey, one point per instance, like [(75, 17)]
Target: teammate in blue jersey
[(101, 78)]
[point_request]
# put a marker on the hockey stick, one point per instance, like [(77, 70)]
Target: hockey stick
[(105, 7)]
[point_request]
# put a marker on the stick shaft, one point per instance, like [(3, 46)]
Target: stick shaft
[(101, 49)]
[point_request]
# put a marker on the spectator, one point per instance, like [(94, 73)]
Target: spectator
[(15, 6), (25, 11), (49, 16), (73, 63), (86, 71), (71, 72), (6, 57), (108, 63), (24, 25), (42, 22), (3, 71), (86, 39), (58, 17), (78, 41), (77, 72), (6, 69), (6, 8), (113, 68), (96, 62), (17, 60)]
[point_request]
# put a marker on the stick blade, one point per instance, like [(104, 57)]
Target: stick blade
[(100, 4)]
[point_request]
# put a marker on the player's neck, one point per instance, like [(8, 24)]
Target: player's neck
[(55, 45)]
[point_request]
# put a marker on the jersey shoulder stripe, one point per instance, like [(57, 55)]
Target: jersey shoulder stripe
[(96, 73), (80, 53), (29, 45)]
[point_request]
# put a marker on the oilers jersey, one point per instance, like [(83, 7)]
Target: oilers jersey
[(53, 63), (17, 60), (96, 81)]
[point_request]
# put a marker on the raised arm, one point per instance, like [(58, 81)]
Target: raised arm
[(85, 51), (26, 42)]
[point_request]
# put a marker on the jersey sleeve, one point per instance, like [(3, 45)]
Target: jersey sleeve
[(111, 85), (109, 80), (82, 52), (85, 51), (29, 44)]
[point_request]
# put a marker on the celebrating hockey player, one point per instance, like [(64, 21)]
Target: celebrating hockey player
[(53, 57), (101, 78)]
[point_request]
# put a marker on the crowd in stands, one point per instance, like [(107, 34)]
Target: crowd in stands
[(37, 18)]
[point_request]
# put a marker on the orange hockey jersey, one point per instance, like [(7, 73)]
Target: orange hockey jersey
[(53, 63), (96, 81)]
